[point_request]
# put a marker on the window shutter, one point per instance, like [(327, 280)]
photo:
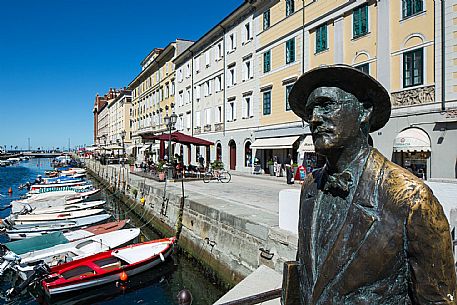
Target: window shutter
[(251, 108), (324, 37), (355, 23), (234, 76), (210, 85), (244, 109), (197, 64), (227, 112), (234, 110), (251, 30), (251, 68), (243, 34), (364, 20), (234, 40), (197, 92)]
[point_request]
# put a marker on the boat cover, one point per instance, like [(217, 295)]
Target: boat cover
[(37, 243)]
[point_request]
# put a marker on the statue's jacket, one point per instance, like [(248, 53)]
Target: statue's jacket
[(394, 246)]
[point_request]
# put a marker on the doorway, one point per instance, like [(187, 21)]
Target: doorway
[(232, 146)]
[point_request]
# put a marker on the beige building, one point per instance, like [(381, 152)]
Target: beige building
[(119, 118)]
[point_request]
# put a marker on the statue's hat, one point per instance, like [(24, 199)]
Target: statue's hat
[(365, 88)]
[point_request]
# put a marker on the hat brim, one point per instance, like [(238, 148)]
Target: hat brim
[(364, 87)]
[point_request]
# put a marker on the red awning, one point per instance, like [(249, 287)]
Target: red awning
[(179, 138)]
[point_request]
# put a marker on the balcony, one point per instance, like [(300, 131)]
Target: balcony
[(219, 127), (414, 96), (197, 130), (207, 128)]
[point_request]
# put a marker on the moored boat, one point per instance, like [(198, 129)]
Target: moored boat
[(106, 267), (33, 218)]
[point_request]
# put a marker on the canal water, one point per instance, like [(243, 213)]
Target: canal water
[(157, 286)]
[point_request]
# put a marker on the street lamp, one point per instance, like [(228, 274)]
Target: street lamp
[(170, 122), (123, 145)]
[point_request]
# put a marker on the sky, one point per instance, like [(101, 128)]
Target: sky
[(56, 55)]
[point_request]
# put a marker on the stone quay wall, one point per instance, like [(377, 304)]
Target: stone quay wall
[(229, 246)]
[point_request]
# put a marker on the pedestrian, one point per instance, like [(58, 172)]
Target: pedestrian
[(288, 164)]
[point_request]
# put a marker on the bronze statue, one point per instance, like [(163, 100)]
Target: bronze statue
[(370, 232)]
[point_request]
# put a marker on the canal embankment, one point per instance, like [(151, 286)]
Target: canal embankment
[(231, 234)]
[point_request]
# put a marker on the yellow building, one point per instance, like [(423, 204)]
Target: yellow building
[(397, 42), (153, 92)]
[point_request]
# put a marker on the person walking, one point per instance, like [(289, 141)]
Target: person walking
[(288, 164)]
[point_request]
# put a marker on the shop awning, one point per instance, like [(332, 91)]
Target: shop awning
[(178, 137), (275, 143), (307, 145), (411, 140)]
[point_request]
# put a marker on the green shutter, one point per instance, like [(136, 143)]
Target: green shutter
[(364, 20), (356, 22), (324, 37)]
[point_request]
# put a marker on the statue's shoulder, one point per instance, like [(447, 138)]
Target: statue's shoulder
[(403, 186)]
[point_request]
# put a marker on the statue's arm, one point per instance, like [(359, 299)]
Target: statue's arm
[(429, 249)]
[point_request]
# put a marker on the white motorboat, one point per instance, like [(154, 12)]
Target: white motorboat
[(81, 248), (60, 195), (35, 229), (68, 207), (35, 187), (20, 219), (17, 206)]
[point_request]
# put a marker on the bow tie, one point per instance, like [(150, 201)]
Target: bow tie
[(338, 183)]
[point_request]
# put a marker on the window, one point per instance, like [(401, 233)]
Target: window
[(247, 70), (413, 65), (218, 86), (197, 119), (247, 32), (321, 38), (360, 21), (288, 89), (412, 7), (231, 43), (365, 68), (231, 111), (172, 90), (267, 103), (289, 7), (290, 51), (197, 64), (188, 70), (180, 75), (267, 61), (188, 120), (181, 98), (232, 77), (188, 96), (219, 51), (247, 110), (197, 92), (210, 87), (218, 118), (208, 116), (207, 58), (266, 19)]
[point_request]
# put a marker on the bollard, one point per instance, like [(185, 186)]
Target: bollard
[(184, 297)]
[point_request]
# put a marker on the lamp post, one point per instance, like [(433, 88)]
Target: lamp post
[(123, 145), (170, 122)]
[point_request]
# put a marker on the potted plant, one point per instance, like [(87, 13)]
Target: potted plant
[(131, 162), (134, 192), (161, 170), (217, 164), (271, 167)]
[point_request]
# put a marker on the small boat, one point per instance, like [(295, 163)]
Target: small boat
[(81, 248), (106, 267), (66, 208), (67, 195), (17, 206), (36, 229), (20, 219), (64, 184), (53, 189), (62, 179), (56, 238)]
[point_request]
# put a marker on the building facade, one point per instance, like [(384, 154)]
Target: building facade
[(153, 94), (119, 117)]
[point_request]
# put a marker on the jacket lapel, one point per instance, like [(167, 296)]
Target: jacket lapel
[(361, 216)]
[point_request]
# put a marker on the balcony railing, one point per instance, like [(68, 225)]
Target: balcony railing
[(218, 126), (414, 96), (197, 130), (207, 128)]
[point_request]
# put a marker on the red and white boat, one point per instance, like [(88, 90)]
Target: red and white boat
[(106, 267)]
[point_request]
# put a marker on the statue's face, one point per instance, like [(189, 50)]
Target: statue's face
[(335, 118)]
